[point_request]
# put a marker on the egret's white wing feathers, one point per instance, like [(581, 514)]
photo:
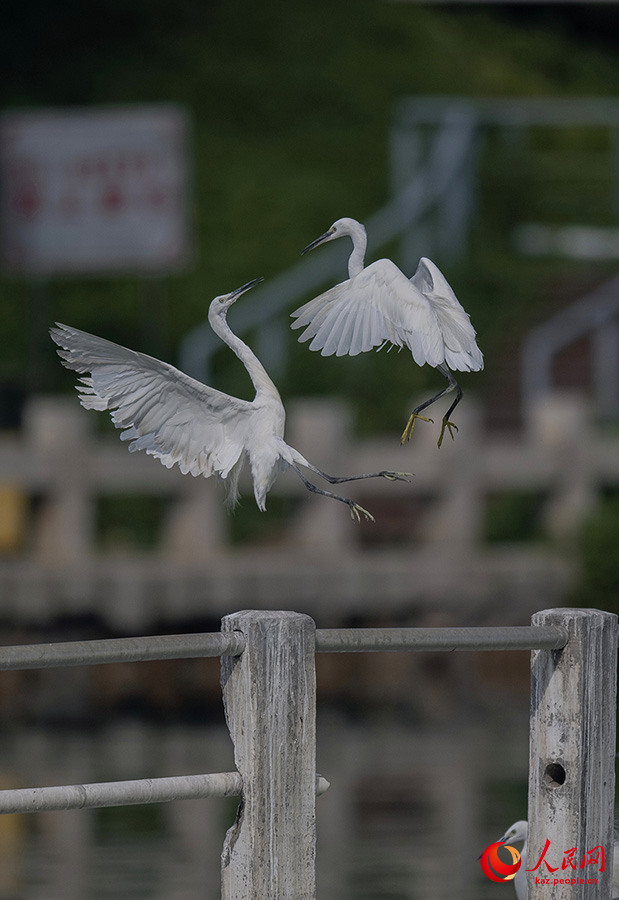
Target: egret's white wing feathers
[(171, 416), (377, 305), (461, 350), (380, 304)]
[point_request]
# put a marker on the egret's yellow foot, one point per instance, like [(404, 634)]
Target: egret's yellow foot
[(451, 428), (411, 424), (357, 511), (397, 476)]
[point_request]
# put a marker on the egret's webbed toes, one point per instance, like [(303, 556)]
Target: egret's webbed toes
[(451, 427), (408, 431)]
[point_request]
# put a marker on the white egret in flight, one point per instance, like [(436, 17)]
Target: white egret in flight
[(379, 305), (518, 832), (179, 420)]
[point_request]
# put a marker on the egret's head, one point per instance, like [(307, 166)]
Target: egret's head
[(516, 832), (339, 228), (222, 304)]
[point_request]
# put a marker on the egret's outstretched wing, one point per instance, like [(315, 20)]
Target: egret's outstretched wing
[(377, 305), (165, 412), (461, 350)]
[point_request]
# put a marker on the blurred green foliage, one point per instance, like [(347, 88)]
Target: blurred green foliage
[(292, 106)]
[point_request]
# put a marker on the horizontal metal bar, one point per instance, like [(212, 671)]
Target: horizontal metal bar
[(92, 653), (119, 793), (517, 637), (127, 793), (335, 640)]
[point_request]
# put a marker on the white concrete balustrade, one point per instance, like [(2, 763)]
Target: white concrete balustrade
[(59, 467)]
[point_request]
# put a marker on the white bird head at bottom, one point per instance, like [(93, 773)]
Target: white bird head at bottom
[(516, 832)]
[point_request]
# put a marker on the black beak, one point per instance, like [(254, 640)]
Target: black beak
[(323, 237), (234, 295)]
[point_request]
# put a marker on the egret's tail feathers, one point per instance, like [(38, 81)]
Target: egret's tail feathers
[(232, 483)]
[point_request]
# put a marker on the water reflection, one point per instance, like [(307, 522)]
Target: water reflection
[(409, 810)]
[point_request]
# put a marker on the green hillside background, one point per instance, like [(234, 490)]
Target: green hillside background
[(291, 106)]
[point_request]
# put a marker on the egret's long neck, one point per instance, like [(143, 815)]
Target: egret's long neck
[(359, 243), (255, 369)]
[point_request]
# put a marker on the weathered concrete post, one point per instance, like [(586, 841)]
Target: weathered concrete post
[(270, 701), (572, 758)]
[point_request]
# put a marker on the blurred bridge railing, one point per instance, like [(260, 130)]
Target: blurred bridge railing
[(54, 474)]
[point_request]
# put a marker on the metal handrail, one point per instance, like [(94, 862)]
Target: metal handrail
[(336, 640), (517, 637), (270, 704), (127, 793), (115, 650)]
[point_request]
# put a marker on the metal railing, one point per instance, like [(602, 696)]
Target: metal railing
[(329, 640), (268, 681)]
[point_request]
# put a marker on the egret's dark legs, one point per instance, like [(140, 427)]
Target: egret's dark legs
[(339, 479), (452, 386), (446, 423), (356, 511)]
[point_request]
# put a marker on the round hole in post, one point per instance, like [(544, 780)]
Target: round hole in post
[(554, 775)]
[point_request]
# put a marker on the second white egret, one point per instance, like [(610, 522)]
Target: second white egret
[(379, 305)]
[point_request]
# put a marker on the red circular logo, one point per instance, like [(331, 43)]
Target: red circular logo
[(494, 867)]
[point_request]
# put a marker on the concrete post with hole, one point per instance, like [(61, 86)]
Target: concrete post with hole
[(572, 758)]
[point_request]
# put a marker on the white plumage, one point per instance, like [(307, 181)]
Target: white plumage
[(378, 304), (514, 834), (183, 422)]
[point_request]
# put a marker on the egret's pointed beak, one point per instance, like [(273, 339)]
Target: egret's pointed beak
[(234, 295), (320, 240)]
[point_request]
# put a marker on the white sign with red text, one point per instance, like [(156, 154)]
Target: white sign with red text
[(95, 190)]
